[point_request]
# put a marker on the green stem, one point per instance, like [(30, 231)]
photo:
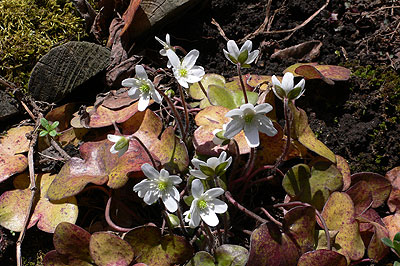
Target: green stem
[(246, 100)]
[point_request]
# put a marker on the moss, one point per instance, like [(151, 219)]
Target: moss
[(29, 29)]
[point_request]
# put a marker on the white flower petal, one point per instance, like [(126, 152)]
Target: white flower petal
[(226, 53), (194, 218), (263, 108), (252, 56), (190, 59), (173, 58), (114, 138), (134, 93), (168, 39), (198, 174), (209, 218), (131, 82), (140, 72), (276, 94), (156, 96), (246, 46), (150, 171), (196, 163), (122, 150), (233, 49), (183, 82), (175, 180), (266, 126), (219, 205), (164, 174), (287, 82), (175, 193), (246, 107), (233, 128), (275, 81), (222, 157), (251, 135), (144, 102), (112, 149), (234, 112), (150, 197), (213, 193), (170, 203), (197, 188)]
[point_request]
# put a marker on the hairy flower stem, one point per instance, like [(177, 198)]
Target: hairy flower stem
[(110, 222), (287, 127), (228, 195), (210, 237), (204, 91), (185, 111), (249, 168), (224, 216), (299, 203), (181, 222), (246, 100), (177, 116), (146, 150)]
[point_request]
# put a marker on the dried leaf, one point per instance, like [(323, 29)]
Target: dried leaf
[(306, 51)]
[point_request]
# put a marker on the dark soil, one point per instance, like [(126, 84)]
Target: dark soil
[(357, 119)]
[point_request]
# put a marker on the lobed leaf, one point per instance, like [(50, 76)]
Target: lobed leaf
[(156, 250)]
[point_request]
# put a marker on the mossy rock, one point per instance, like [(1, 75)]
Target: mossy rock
[(65, 68)]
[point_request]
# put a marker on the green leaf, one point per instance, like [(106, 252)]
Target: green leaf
[(44, 122), (232, 59), (53, 133), (280, 91), (231, 255), (188, 200), (396, 263), (220, 169), (54, 125), (397, 237), (201, 258), (294, 93), (239, 97), (221, 96), (243, 56), (121, 143), (43, 133), (396, 246), (207, 170)]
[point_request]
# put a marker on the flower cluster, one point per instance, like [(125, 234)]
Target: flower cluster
[(252, 119)]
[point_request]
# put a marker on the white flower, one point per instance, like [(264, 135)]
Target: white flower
[(159, 185), (186, 72), (213, 167), (205, 205), (121, 144), (244, 56), (166, 46), (250, 119), (286, 88), (142, 88), (219, 138)]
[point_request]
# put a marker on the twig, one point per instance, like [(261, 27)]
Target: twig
[(302, 24), (32, 188), (221, 31), (262, 26), (55, 144)]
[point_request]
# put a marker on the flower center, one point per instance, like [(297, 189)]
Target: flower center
[(183, 72), (162, 185), (248, 118), (202, 204), (144, 88)]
